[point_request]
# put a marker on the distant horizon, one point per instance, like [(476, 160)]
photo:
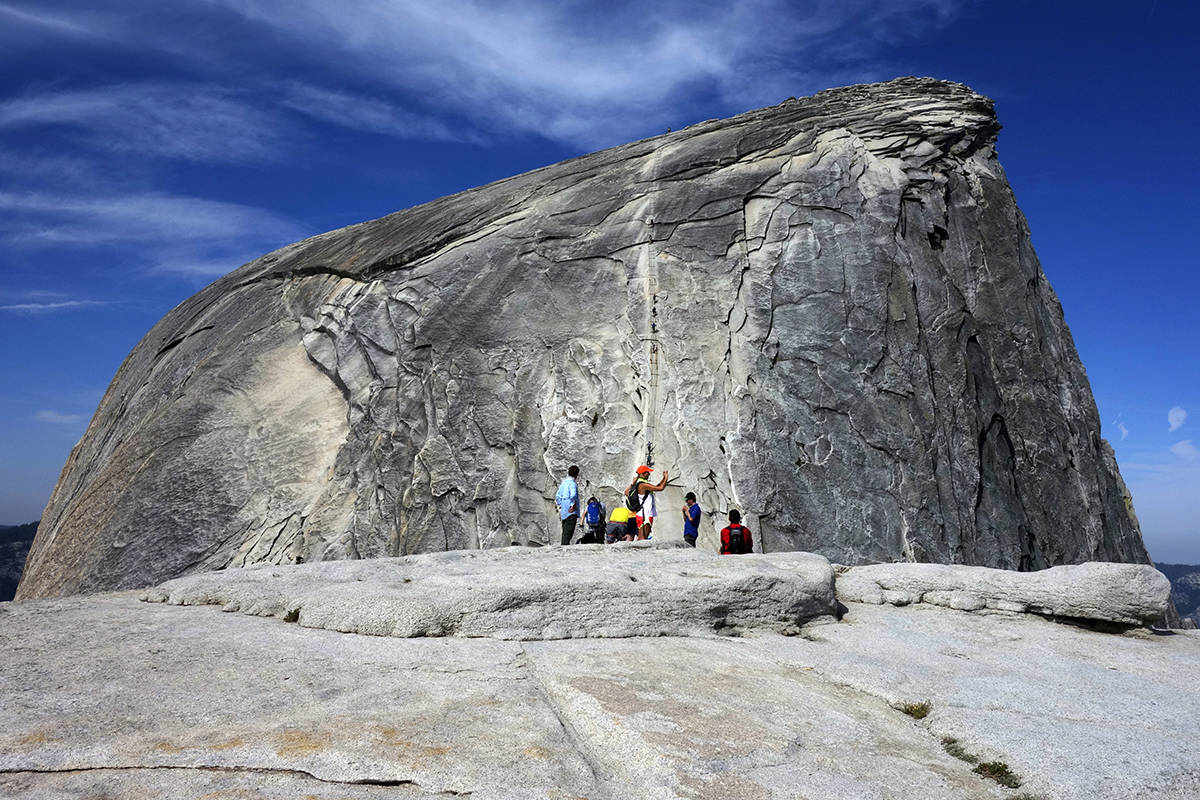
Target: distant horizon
[(178, 143)]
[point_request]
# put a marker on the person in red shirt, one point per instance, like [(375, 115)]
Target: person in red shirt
[(735, 537)]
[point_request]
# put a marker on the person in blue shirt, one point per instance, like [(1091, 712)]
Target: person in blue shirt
[(691, 519), (567, 500)]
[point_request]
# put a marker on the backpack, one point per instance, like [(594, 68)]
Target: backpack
[(593, 512), (737, 542), (634, 499)]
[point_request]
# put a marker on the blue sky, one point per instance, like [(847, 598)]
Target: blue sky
[(147, 147)]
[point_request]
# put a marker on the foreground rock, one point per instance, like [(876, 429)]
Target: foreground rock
[(518, 593), (109, 696), (1124, 594), (1074, 714), (827, 313)]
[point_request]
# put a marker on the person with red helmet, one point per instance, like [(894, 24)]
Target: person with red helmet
[(641, 498)]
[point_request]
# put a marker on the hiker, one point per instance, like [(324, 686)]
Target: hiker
[(640, 498), (735, 537), (621, 526), (567, 500), (593, 522), (691, 519)]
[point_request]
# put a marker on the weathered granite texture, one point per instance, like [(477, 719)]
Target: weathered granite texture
[(107, 696), (826, 313), (528, 594), (1124, 594)]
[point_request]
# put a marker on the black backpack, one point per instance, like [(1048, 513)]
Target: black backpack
[(634, 500), (737, 542)]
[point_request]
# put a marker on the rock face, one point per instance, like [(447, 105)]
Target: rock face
[(826, 313), (107, 696)]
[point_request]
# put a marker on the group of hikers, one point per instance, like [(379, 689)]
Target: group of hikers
[(633, 519)]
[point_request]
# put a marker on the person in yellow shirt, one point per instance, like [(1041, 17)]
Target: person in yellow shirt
[(622, 526)]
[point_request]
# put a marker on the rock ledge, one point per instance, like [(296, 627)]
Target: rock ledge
[(586, 591), (1125, 594)]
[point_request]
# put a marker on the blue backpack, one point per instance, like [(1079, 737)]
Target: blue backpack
[(594, 513)]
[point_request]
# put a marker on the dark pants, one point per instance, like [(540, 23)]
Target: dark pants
[(568, 528), (691, 540), (592, 534)]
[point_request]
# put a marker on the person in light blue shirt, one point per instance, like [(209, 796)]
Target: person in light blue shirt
[(567, 500), (691, 519)]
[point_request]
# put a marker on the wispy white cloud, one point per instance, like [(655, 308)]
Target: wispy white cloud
[(186, 236), (32, 295), (1175, 419), (42, 168), (57, 418), (135, 218), (1124, 431), (370, 115), (564, 70), (1185, 450), (45, 307), (17, 21), (587, 73), (194, 122), (208, 123)]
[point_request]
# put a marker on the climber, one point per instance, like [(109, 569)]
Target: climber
[(735, 537), (640, 498), (691, 519), (567, 500)]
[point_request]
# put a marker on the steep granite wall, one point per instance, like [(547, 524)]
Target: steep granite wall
[(827, 313)]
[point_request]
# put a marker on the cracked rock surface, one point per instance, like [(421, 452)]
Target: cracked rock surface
[(108, 696), (529, 594), (1077, 715), (827, 313), (1125, 594)]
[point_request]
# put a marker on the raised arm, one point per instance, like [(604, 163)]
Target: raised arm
[(655, 487)]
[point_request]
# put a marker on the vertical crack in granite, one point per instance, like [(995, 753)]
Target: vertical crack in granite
[(856, 346), (580, 744)]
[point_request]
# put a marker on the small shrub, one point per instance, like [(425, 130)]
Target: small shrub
[(999, 772), (292, 616), (954, 748), (916, 710)]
